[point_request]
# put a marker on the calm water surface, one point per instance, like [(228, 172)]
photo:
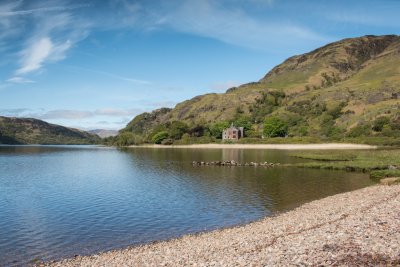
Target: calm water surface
[(58, 201)]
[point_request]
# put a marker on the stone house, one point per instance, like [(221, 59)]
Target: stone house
[(233, 133)]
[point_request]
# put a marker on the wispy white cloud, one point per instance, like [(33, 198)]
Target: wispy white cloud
[(112, 75), (9, 27), (58, 26), (236, 27), (40, 51), (34, 55), (19, 80), (227, 22), (40, 10), (47, 31)]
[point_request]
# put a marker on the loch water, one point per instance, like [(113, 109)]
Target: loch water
[(60, 201)]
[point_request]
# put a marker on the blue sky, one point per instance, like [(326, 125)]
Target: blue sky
[(96, 64)]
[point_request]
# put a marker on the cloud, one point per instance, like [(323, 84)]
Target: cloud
[(112, 75), (14, 112), (34, 56), (40, 51), (65, 114), (9, 27), (70, 114), (46, 31), (118, 77), (233, 23), (236, 27), (117, 112), (19, 80), (54, 27), (40, 10)]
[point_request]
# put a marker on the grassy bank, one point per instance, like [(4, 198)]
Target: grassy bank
[(379, 163)]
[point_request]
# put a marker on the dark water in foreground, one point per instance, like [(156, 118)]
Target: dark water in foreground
[(58, 201)]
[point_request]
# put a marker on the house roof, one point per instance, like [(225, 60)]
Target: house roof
[(233, 128)]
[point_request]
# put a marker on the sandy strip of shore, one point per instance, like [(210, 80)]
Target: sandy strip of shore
[(268, 146), (359, 228)]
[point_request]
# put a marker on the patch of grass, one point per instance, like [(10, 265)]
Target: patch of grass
[(355, 160), (379, 174), (326, 157)]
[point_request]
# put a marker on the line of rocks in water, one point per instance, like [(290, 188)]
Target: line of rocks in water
[(234, 163)]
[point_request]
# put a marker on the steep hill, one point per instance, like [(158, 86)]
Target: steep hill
[(337, 90), (33, 131)]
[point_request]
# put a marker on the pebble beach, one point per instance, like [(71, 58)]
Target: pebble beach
[(359, 228)]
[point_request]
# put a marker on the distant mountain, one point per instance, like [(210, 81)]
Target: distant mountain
[(33, 131), (103, 133), (347, 88)]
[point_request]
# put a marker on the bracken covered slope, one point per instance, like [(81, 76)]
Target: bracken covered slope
[(345, 84), (33, 131)]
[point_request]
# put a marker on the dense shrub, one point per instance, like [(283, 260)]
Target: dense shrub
[(196, 131), (128, 139), (177, 129), (360, 130), (336, 111), (379, 123), (159, 137), (217, 128), (266, 104), (244, 122), (275, 127)]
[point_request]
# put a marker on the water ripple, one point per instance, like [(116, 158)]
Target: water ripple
[(58, 201)]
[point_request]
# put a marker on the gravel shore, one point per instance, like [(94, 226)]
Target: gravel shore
[(335, 146), (359, 228)]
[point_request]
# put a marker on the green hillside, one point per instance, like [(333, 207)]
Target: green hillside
[(347, 89), (31, 131)]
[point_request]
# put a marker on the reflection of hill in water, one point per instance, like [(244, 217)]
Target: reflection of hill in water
[(44, 149), (274, 189)]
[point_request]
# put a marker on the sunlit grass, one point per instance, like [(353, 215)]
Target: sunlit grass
[(379, 163)]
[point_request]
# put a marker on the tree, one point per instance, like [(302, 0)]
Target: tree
[(159, 137), (177, 129), (196, 131), (217, 128), (243, 122), (275, 127), (128, 138)]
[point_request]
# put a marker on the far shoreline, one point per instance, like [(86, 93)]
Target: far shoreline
[(324, 146)]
